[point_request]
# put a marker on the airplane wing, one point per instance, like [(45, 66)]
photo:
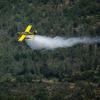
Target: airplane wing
[(28, 28), (22, 38)]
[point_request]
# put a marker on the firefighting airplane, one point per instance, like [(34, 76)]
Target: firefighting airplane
[(22, 35)]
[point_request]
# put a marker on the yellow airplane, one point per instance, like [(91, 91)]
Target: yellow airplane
[(22, 35)]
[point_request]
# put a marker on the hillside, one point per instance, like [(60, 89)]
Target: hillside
[(22, 69)]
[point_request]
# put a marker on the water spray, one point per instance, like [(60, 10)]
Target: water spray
[(39, 42)]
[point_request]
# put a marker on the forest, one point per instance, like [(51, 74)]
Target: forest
[(62, 74)]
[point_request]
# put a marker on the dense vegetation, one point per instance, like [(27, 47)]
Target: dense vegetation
[(61, 74)]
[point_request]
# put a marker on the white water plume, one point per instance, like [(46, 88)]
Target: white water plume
[(39, 42)]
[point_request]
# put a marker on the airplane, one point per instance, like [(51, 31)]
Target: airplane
[(22, 35)]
